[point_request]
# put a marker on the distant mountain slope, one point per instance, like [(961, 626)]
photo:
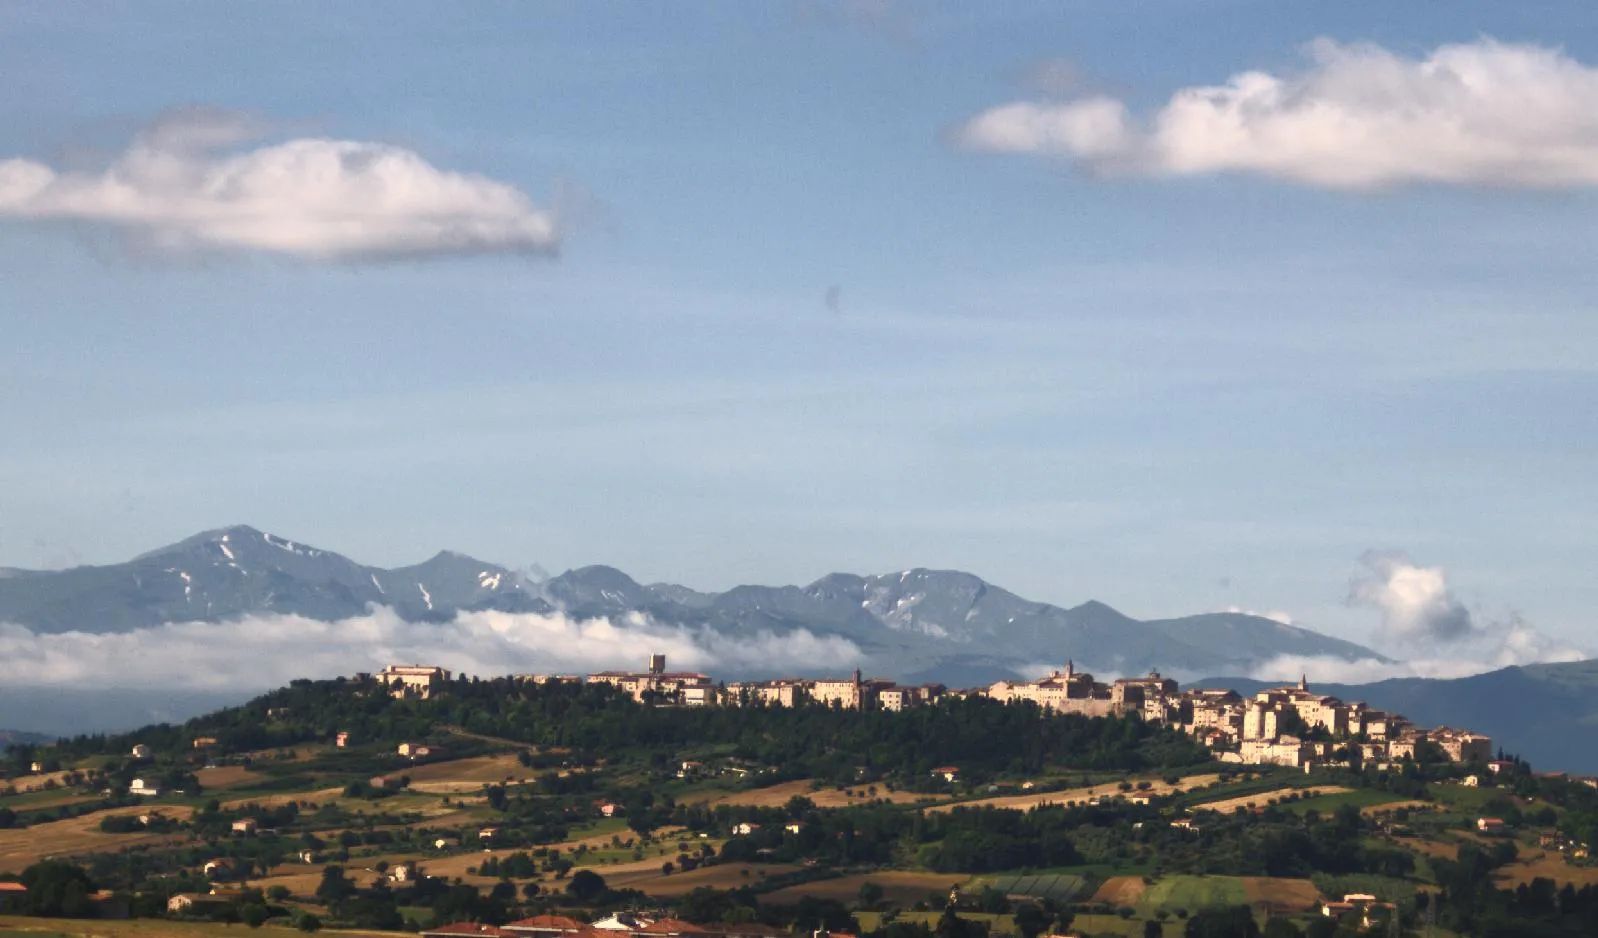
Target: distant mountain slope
[(239, 571), (937, 625), (9, 738), (1547, 713)]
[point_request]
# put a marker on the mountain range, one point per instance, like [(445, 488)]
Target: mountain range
[(912, 625)]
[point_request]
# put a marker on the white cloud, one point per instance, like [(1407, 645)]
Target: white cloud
[(188, 184), (1357, 117), (1416, 602), (261, 652)]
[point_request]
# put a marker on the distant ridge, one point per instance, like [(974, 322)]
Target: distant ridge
[(940, 625)]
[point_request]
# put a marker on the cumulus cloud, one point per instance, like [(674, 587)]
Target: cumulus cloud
[(1415, 601), (199, 181), (1357, 116), (260, 652), (1421, 613)]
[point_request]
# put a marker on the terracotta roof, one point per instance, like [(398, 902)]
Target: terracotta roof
[(13, 887), (548, 923), (671, 926)]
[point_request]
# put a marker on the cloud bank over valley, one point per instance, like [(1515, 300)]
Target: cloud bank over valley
[(268, 651)]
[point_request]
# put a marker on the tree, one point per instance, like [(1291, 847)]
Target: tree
[(1281, 928), (57, 888), (586, 886), (254, 914), (1153, 929), (1031, 921), (309, 923), (1229, 922), (335, 887), (870, 894)]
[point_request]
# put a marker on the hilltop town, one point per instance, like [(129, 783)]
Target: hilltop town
[(1288, 726)]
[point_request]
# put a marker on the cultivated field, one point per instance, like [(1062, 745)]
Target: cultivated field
[(227, 776), (1079, 795), (466, 775), (1281, 895), (1547, 864), (1193, 892), (276, 799), (24, 846), (776, 796), (721, 876), (1061, 887), (1261, 798), (904, 888), (1121, 891)]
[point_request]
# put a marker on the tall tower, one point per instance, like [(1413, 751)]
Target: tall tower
[(1303, 681), (657, 664)]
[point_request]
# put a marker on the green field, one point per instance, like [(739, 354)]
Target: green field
[(1326, 804), (1192, 893)]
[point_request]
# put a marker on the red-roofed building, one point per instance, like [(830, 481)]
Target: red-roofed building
[(547, 926), (12, 896), (671, 926)]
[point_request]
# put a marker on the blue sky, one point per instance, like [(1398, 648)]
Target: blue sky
[(1079, 369)]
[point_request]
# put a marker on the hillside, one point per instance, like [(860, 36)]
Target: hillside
[(750, 822)]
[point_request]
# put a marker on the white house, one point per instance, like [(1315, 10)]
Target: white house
[(140, 787), (141, 751)]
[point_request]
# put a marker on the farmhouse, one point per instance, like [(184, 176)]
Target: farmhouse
[(217, 868), (244, 826), (140, 787), (140, 751), (12, 894)]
